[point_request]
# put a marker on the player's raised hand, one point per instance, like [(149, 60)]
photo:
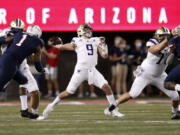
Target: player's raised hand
[(102, 39)]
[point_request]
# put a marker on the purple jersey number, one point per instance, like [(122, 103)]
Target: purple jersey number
[(89, 48)]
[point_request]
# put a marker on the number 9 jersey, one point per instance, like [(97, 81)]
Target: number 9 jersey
[(155, 64), (86, 50)]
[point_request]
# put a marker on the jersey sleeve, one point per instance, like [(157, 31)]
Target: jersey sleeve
[(2, 40), (150, 43), (73, 41), (173, 40), (42, 42)]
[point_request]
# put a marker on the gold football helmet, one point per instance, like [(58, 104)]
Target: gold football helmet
[(84, 30), (17, 24)]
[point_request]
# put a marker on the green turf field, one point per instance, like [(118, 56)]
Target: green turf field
[(150, 119)]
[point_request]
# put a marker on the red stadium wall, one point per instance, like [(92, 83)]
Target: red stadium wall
[(104, 15)]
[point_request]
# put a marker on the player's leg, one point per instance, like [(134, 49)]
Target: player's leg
[(159, 83), (99, 81), (172, 81), (32, 87), (23, 80), (23, 100), (138, 85), (78, 77), (35, 97)]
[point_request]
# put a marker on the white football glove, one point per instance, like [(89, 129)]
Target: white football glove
[(103, 49), (46, 71)]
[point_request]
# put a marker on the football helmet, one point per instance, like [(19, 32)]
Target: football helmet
[(176, 30), (17, 24), (34, 30), (161, 33), (84, 30)]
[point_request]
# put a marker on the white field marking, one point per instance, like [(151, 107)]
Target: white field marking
[(72, 103), (161, 121), (64, 112), (62, 103), (152, 102), (135, 121)]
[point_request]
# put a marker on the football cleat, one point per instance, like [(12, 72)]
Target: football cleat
[(27, 114), (41, 118), (176, 116), (48, 109), (116, 113), (107, 112)]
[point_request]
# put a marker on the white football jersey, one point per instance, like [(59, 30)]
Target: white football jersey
[(86, 50), (155, 64)]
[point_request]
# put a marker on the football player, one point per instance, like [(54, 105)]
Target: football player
[(31, 86), (23, 45), (87, 48), (152, 70), (172, 81)]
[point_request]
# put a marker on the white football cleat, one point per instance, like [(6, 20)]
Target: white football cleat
[(40, 118), (107, 112), (48, 109), (116, 113)]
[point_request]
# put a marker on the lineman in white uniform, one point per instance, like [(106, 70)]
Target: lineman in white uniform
[(87, 48), (152, 70)]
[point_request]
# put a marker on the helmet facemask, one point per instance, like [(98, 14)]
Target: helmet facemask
[(84, 30)]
